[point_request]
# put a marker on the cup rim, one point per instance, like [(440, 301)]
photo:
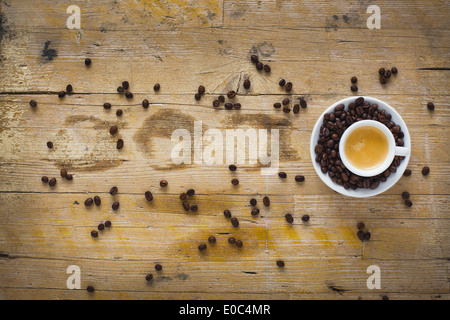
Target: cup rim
[(389, 157)]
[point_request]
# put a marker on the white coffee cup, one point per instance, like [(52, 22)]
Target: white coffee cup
[(393, 150)]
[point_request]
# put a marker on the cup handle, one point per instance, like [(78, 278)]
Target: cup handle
[(401, 151)]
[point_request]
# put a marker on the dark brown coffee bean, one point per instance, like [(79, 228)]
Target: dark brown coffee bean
[(430, 106), (88, 202), (234, 182), (107, 223), (194, 207), (237, 106), (267, 68), (282, 175), (408, 203), (305, 218), (97, 201), (129, 95), (221, 98), (190, 192), (353, 88), (361, 235), (163, 183), (33, 103), (259, 66), (120, 89), (101, 226), (280, 263), (212, 239), (49, 144), (216, 103), (94, 233), (158, 267), (360, 225), (407, 173), (394, 70), (232, 167), (119, 112), (425, 170), (201, 89), (231, 94), (254, 58), (69, 88), (183, 196), (286, 109), (227, 213), (299, 178), (285, 101), (52, 182), (253, 202), (228, 105), (288, 86), (115, 205), (239, 243), (202, 247), (266, 201), (367, 236), (107, 105), (186, 206), (296, 108), (145, 103), (113, 191), (381, 71), (405, 194), (255, 212), (69, 177), (119, 144), (282, 83), (148, 195), (149, 277), (303, 103), (277, 105), (247, 84), (387, 74), (289, 218), (354, 79), (44, 179), (198, 96), (63, 173), (125, 85), (383, 80), (231, 240), (87, 61), (157, 87), (234, 222), (113, 130)]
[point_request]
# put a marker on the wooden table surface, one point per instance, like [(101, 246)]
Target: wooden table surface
[(181, 45)]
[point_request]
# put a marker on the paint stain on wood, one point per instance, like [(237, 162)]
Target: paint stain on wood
[(48, 54)]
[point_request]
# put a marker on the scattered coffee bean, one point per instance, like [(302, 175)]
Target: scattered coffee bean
[(101, 226), (201, 89), (303, 103), (49, 144), (119, 144), (234, 182), (125, 85), (212, 239), (63, 173), (286, 109), (282, 174), (296, 108), (231, 94), (425, 170), (194, 207), (237, 106), (158, 267), (33, 103), (129, 95), (186, 206), (405, 195), (407, 173), (266, 201), (367, 236), (247, 84), (69, 88), (52, 182), (97, 201), (259, 66), (280, 263), (305, 218), (381, 71), (107, 105), (360, 225), (115, 205), (107, 223), (113, 130), (254, 58), (198, 96), (288, 86), (267, 68), (221, 98), (227, 213), (282, 83), (361, 235), (149, 277), (87, 61), (255, 212), (354, 79), (277, 105), (119, 112), (383, 80), (354, 88), (228, 105), (202, 247), (285, 101), (163, 183), (289, 218), (239, 243), (183, 196), (408, 203), (69, 177), (44, 179), (94, 233), (88, 202), (394, 70), (253, 202), (120, 89), (148, 195), (156, 87), (232, 167), (216, 103), (145, 103), (231, 240), (299, 178), (387, 74), (113, 190), (90, 289), (190, 192), (234, 221), (430, 106)]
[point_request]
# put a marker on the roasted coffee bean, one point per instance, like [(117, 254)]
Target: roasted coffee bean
[(157, 87), (163, 183), (299, 178), (354, 79), (387, 74), (239, 243), (277, 105), (254, 58), (228, 105), (353, 88), (282, 175), (97, 201), (235, 182), (198, 96), (286, 109), (296, 108), (227, 213), (407, 173), (125, 85), (381, 71), (115, 205), (267, 68), (101, 226), (285, 101), (158, 267), (305, 218), (94, 233), (289, 217), (194, 207), (255, 212), (282, 83), (119, 112), (408, 203), (237, 106), (107, 105), (113, 191), (113, 130), (280, 263), (216, 103), (253, 202), (247, 84), (87, 61), (183, 196), (259, 66), (221, 98), (190, 192), (186, 206), (405, 194), (232, 167), (360, 225), (425, 170), (202, 247), (361, 235), (69, 177), (149, 277), (145, 103), (52, 182), (234, 221), (430, 106), (266, 201), (394, 70), (49, 144), (288, 86), (107, 223), (201, 89), (120, 89), (148, 195), (129, 95), (44, 179), (212, 239), (303, 103), (88, 202), (33, 103), (69, 88), (231, 240), (231, 94), (367, 236), (119, 144), (383, 80), (63, 173)]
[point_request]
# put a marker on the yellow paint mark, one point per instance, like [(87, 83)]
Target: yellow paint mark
[(321, 236)]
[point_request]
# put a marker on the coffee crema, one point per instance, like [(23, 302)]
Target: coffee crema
[(366, 147)]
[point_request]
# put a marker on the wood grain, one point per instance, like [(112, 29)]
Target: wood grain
[(182, 44)]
